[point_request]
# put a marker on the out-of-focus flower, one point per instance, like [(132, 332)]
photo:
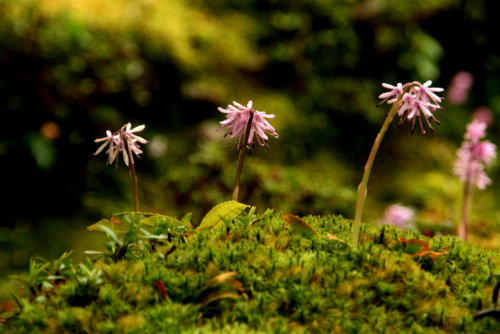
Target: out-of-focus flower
[(399, 215), (474, 155), (417, 98), (484, 152), (116, 144), (50, 130), (459, 87), (158, 146), (475, 131), (484, 115), (236, 122)]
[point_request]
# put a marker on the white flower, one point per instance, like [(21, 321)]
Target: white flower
[(416, 99), (116, 143), (236, 123), (394, 93), (109, 139)]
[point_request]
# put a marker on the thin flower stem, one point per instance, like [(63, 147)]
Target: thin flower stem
[(133, 177), (362, 188), (462, 229), (241, 158)]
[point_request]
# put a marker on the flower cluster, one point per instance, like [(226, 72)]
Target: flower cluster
[(474, 155), (119, 141), (236, 123), (399, 215), (460, 85), (413, 98)]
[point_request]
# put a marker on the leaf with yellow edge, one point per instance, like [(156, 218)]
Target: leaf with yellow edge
[(299, 226), (113, 224), (226, 211)]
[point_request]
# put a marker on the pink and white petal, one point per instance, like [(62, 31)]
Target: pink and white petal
[(99, 150), (137, 128)]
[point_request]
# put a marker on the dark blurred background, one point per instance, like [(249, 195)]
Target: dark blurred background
[(70, 70)]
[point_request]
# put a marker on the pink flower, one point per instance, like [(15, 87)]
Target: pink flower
[(116, 144), (459, 87), (485, 152), (236, 122), (474, 155), (475, 131), (394, 92), (399, 215), (424, 92), (483, 114), (416, 99), (469, 170)]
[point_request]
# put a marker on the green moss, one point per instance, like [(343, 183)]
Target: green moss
[(266, 278)]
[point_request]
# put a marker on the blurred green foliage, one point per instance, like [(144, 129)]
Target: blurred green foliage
[(69, 70)]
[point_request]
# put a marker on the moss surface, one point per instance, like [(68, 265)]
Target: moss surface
[(265, 277)]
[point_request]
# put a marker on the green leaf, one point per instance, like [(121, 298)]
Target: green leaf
[(120, 223), (109, 232), (159, 220), (18, 300), (103, 223), (224, 211), (186, 220), (91, 252), (131, 218), (299, 226)]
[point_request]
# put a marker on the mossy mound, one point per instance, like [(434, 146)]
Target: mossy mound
[(261, 275)]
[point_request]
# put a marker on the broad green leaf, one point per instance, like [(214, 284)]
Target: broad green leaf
[(224, 211), (299, 226)]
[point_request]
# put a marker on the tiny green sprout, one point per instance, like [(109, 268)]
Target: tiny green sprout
[(248, 218)]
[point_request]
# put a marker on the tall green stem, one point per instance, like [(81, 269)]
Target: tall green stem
[(241, 158), (133, 177), (462, 229), (362, 188)]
